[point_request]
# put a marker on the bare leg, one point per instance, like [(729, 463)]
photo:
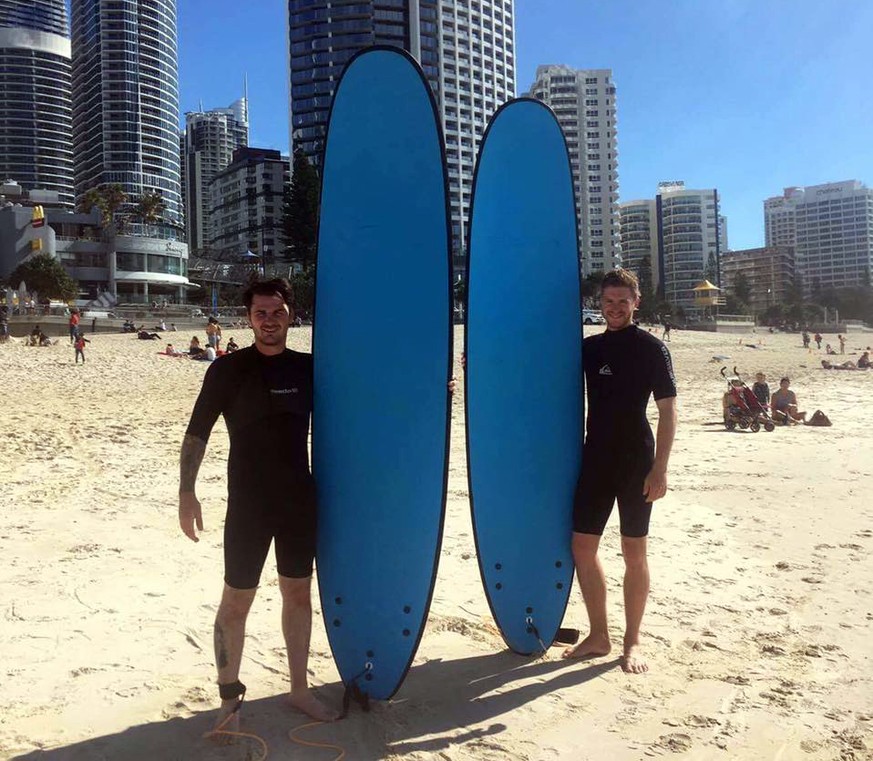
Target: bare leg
[(593, 584), (297, 628), (230, 632), (636, 593)]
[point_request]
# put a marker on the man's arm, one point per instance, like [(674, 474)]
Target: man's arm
[(655, 485), (190, 513)]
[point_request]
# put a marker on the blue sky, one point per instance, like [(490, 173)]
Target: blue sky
[(748, 96)]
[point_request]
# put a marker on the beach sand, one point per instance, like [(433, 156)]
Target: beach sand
[(758, 628)]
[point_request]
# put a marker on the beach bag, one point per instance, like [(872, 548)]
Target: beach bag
[(819, 418)]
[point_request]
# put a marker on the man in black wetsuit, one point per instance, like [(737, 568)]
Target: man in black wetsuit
[(265, 395), (623, 367)]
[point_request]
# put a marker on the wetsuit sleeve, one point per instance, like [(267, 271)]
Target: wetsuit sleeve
[(663, 380), (210, 403)]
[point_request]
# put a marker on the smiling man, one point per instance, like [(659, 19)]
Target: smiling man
[(624, 366), (265, 395)]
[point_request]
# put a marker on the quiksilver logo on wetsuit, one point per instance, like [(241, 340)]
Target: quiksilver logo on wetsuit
[(283, 390), (605, 370)]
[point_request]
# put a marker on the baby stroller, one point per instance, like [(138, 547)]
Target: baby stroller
[(744, 411)]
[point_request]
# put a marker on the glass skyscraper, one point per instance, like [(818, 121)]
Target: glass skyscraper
[(465, 47), (35, 121), (126, 98)]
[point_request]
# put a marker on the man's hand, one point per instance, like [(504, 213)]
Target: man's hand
[(190, 515), (655, 485)]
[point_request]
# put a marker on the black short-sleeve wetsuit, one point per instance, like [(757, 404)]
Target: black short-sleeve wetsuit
[(266, 402), (622, 369)]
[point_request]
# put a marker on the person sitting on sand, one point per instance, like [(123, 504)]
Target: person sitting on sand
[(829, 350), (232, 346), (847, 365), (171, 351), (144, 335), (194, 348), (761, 389), (783, 403), (864, 361)]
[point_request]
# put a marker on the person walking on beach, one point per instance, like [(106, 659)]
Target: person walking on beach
[(667, 328), (74, 325), (213, 333), (842, 339), (624, 366), (80, 347), (818, 340), (265, 394)]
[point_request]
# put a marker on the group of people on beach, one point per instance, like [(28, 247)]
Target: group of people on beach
[(271, 492)]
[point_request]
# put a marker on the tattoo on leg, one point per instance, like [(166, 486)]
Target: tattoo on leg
[(220, 649)]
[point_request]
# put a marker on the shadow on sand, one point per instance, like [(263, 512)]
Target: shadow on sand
[(434, 710)]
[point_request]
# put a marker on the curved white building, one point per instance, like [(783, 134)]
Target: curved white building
[(466, 49), (35, 117), (126, 98)]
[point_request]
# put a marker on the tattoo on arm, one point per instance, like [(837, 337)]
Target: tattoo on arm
[(220, 649), (189, 462)]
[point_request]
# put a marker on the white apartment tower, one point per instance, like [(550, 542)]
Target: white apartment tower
[(207, 145), (639, 238), (584, 102), (466, 49), (246, 211), (688, 240), (831, 229)]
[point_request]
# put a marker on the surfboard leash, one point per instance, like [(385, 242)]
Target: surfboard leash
[(236, 690), (532, 629)]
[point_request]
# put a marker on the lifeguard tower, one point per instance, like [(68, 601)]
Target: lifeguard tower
[(708, 298)]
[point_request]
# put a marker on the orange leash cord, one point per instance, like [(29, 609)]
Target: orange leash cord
[(341, 754), (220, 730)]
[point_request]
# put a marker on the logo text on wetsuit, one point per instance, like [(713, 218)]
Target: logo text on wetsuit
[(605, 370), (283, 390)]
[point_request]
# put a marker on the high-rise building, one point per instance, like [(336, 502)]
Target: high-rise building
[(639, 238), (688, 240), (466, 49), (769, 273), (207, 146), (126, 98), (35, 75), (584, 102), (247, 196), (722, 234), (831, 229)]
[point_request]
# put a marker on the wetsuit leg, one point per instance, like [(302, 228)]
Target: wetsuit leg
[(295, 530), (633, 509), (247, 537), (595, 497)]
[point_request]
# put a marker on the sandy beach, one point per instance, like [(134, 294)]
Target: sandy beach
[(758, 628)]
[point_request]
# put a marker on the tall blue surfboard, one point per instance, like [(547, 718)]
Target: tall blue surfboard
[(524, 402), (382, 345)]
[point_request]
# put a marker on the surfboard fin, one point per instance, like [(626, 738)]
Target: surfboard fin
[(566, 637)]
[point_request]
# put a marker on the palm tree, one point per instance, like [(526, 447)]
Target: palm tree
[(150, 207)]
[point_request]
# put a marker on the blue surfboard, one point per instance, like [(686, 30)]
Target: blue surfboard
[(381, 410), (524, 402)]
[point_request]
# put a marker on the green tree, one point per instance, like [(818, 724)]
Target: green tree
[(303, 285), (300, 212), (712, 273), (648, 301), (150, 207), (107, 198), (591, 288), (742, 289), (45, 275)]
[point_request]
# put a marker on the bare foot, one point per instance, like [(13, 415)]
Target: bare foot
[(592, 645), (306, 702), (633, 661), (226, 721)]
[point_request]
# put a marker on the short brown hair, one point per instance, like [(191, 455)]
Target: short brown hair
[(620, 278), (278, 286)]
